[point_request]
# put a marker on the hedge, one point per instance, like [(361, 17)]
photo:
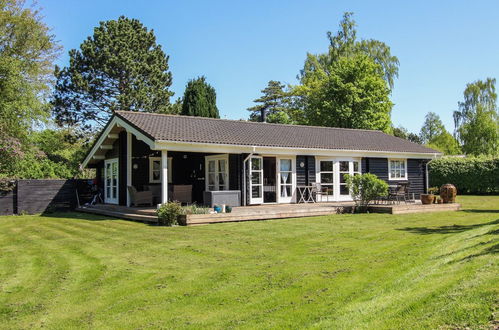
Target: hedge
[(476, 175)]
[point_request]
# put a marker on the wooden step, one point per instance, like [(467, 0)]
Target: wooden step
[(119, 215)]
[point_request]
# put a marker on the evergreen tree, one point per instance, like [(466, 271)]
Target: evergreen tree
[(273, 104), (120, 67), (200, 99), (432, 127), (477, 121)]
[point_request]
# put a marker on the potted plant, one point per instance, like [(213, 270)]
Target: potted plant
[(429, 198)]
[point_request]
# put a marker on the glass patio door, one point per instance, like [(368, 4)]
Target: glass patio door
[(111, 181), (254, 180), (326, 177)]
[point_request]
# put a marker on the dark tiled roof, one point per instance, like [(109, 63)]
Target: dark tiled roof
[(233, 132)]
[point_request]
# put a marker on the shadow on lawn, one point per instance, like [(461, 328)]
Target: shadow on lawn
[(77, 216), (446, 229), (480, 211)]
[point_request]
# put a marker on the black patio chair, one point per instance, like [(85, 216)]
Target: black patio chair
[(399, 193)]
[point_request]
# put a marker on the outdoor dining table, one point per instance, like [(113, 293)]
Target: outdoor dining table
[(305, 194)]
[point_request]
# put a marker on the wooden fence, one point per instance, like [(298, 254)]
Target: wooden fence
[(39, 196)]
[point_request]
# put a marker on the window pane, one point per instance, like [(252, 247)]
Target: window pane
[(255, 192), (211, 178), (156, 165), (211, 166), (355, 166), (326, 166), (343, 178), (211, 188), (221, 179), (256, 164), (327, 189), (114, 192), (156, 175), (402, 172), (326, 177), (286, 177), (256, 178), (343, 166), (221, 165), (286, 191), (108, 192), (286, 165), (344, 190)]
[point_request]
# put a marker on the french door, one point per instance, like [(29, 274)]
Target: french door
[(286, 180), (332, 178), (111, 192), (254, 180)]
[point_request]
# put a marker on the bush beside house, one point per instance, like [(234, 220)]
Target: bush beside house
[(476, 175)]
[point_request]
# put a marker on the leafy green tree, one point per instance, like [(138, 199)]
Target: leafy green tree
[(352, 94), (27, 52), (414, 138), (400, 132), (445, 143), (334, 92), (476, 121), (200, 99), (273, 104), (432, 127), (345, 43), (120, 67)]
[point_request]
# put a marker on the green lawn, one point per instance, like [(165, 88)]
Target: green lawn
[(341, 271)]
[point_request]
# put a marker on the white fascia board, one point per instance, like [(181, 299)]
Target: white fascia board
[(226, 148), (116, 121)]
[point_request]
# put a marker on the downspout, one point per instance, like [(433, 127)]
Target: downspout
[(244, 172), (428, 174)]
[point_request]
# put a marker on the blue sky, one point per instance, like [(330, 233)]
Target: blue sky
[(241, 45)]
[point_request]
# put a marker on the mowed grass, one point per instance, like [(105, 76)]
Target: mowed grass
[(366, 271)]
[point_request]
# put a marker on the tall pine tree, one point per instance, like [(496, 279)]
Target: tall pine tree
[(200, 99), (273, 104), (120, 67)]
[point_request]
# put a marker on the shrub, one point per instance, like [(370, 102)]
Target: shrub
[(195, 209), (474, 175), (434, 190), (169, 213), (365, 188)]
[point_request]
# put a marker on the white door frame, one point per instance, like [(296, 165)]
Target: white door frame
[(292, 198), (108, 186), (248, 177)]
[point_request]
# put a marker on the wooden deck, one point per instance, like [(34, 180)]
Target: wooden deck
[(263, 212)]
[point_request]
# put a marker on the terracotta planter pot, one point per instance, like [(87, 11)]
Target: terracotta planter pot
[(427, 198), (448, 193)]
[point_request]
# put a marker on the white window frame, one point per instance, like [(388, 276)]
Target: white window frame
[(216, 158), (390, 178), (170, 172)]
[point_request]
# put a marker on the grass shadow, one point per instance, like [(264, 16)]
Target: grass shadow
[(446, 229), (479, 211), (77, 216)]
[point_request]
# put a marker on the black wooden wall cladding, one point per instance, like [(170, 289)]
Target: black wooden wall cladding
[(39, 196), (416, 173)]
